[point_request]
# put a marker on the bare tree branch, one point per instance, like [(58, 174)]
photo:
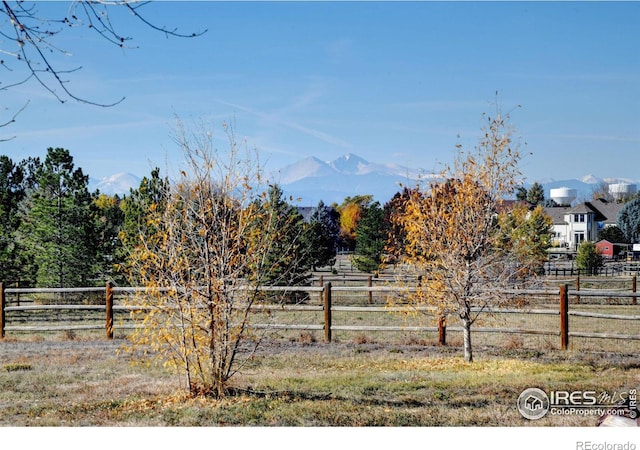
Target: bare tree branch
[(28, 41), (12, 120)]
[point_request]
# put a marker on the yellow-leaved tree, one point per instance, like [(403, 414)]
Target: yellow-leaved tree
[(452, 236), (202, 257)]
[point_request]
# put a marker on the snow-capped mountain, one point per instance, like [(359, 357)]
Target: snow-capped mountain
[(305, 168), (119, 183), (348, 164), (590, 179), (312, 179)]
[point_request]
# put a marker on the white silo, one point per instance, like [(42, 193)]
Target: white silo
[(563, 195), (622, 190)]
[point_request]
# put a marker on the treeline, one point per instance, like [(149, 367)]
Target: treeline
[(54, 232)]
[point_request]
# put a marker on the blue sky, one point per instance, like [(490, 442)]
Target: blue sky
[(393, 82)]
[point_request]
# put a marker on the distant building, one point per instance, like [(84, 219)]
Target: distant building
[(575, 224), (611, 249)]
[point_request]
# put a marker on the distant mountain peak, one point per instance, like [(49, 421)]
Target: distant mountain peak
[(590, 179), (349, 164), (305, 168), (332, 181), (116, 184)]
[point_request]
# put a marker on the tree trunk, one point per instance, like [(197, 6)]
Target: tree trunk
[(468, 350)]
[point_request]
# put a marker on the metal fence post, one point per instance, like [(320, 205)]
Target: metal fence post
[(564, 317), (327, 312), (109, 309)]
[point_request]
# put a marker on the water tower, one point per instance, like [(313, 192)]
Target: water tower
[(563, 195), (622, 190)]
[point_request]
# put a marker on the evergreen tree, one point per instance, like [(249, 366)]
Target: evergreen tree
[(521, 194), (321, 236), (58, 227), (535, 196), (109, 218), (12, 192), (371, 239), (629, 220), (149, 198), (287, 255), (524, 237), (613, 234), (589, 258)]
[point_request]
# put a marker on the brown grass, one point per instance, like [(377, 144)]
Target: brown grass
[(85, 382)]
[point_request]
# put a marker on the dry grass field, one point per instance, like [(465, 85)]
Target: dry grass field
[(363, 378), (54, 381)]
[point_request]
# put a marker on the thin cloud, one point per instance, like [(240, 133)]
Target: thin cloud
[(278, 120), (90, 129)]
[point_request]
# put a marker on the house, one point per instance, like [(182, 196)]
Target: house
[(575, 224)]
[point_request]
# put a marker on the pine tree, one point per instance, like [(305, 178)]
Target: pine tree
[(12, 192), (287, 255), (321, 236), (629, 220), (535, 196), (57, 227), (109, 218), (371, 239), (137, 208)]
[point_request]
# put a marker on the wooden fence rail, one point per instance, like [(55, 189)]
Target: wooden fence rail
[(327, 308)]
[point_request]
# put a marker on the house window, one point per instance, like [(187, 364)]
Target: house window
[(578, 218)]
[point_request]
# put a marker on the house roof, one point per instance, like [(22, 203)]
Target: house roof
[(609, 210), (557, 213), (587, 208), (606, 212), (615, 244)]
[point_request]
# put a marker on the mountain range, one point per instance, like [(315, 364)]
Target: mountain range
[(312, 179)]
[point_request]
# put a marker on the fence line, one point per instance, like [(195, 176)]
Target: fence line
[(327, 307), (605, 271)]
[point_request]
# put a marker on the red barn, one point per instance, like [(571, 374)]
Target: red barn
[(609, 249)]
